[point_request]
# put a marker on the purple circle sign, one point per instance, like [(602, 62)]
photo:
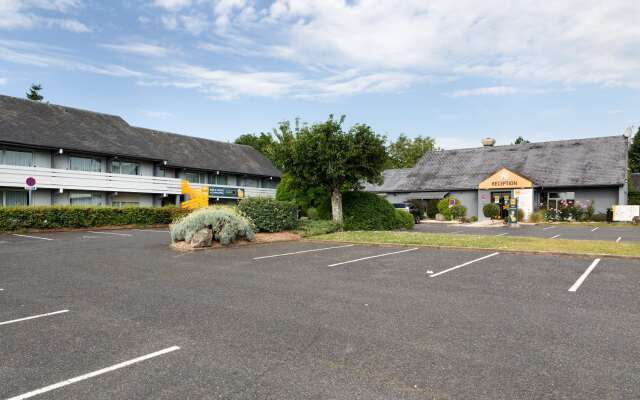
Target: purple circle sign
[(31, 181)]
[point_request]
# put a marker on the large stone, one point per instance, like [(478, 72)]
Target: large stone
[(440, 217), (202, 238)]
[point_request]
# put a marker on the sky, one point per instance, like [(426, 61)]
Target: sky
[(457, 71)]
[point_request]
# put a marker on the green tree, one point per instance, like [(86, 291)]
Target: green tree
[(521, 140), (325, 155), (634, 153), (405, 152), (34, 92), (262, 142)]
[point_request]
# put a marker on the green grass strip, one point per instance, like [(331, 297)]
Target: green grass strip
[(504, 243)]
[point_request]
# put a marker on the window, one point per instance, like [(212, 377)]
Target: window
[(125, 167), (84, 164), (250, 182), (14, 198), (196, 177), (221, 179), (125, 203), (18, 158), (85, 199)]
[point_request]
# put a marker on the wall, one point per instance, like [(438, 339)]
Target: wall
[(143, 200), (483, 198), (41, 197), (603, 198), (468, 199)]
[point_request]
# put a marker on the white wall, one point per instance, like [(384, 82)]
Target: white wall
[(143, 200)]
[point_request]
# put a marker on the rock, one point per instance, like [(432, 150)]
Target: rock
[(440, 217), (202, 238), (635, 221)]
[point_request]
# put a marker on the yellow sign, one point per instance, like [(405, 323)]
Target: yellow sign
[(198, 198), (505, 179)]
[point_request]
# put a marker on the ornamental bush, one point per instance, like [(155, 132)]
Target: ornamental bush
[(364, 211), (226, 225), (270, 215), (458, 211), (404, 219), (491, 210), (444, 209), (56, 217)]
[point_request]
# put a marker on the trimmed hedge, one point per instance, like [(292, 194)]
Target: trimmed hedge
[(51, 217), (404, 219), (364, 211), (270, 215)]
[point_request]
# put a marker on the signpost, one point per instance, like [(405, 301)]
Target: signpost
[(513, 212), (30, 186)]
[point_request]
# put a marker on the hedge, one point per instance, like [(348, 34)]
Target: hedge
[(270, 215), (47, 217), (404, 219), (634, 198), (364, 211)]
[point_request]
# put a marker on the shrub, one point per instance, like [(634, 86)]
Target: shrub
[(634, 198), (444, 209), (458, 211), (54, 217), (520, 215), (432, 209), (404, 219), (317, 227), (226, 225), (473, 219), (367, 212), (269, 215), (312, 213), (599, 217), (537, 216), (491, 210)]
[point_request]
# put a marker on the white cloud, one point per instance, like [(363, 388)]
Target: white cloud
[(483, 91), (3, 81), (143, 49), (195, 24), (28, 53), (22, 14), (172, 4), (157, 114)]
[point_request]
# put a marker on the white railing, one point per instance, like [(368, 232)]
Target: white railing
[(52, 178)]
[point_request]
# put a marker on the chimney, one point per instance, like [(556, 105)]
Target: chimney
[(488, 142)]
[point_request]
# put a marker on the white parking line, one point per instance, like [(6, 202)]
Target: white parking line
[(548, 227), (503, 234), (33, 317), (111, 233), (93, 374), (370, 257), (619, 239), (303, 251), (152, 230), (554, 236), (90, 237), (584, 275), (595, 229), (31, 237), (463, 265)]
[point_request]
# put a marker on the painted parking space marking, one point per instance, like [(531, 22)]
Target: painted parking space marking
[(502, 234), (93, 374), (33, 317), (31, 237), (584, 275), (595, 229), (463, 265), (91, 237), (548, 227), (619, 239), (554, 236), (152, 230), (370, 257), (111, 233), (303, 251)]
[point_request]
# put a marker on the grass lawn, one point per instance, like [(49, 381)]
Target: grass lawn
[(525, 244)]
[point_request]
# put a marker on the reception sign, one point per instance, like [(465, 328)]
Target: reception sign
[(505, 179)]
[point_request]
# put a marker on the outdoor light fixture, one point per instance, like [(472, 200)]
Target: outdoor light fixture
[(61, 190), (60, 151), (164, 162)]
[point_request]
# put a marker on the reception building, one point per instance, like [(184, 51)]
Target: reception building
[(537, 174), (78, 157)]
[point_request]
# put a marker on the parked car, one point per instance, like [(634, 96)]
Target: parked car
[(411, 209)]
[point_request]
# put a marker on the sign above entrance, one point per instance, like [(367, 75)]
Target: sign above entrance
[(505, 179)]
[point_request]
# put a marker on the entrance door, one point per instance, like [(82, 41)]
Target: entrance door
[(502, 200)]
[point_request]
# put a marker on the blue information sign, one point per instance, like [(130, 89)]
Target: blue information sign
[(218, 191)]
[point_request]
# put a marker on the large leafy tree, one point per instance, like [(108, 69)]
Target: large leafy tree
[(405, 152), (262, 142), (325, 155), (34, 92), (634, 153)]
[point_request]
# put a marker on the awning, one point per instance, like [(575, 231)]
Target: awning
[(428, 196)]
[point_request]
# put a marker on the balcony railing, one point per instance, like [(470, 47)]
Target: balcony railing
[(51, 178)]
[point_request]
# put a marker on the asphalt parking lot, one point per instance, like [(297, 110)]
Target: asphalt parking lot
[(577, 232), (117, 314)]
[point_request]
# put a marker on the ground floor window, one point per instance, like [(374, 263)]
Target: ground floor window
[(9, 198), (125, 204), (85, 199), (502, 200), (554, 200)]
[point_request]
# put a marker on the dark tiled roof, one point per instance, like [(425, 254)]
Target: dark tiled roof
[(391, 178), (634, 184), (577, 162), (32, 123)]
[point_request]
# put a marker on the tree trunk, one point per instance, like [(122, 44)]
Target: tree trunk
[(336, 205)]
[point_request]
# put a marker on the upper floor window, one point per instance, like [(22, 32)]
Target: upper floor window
[(125, 167), (195, 177), (221, 180), (85, 164), (18, 158), (250, 182)]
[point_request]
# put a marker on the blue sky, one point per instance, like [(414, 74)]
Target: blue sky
[(456, 71)]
